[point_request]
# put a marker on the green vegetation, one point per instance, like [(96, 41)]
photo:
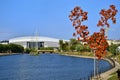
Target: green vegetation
[(73, 46), (11, 48), (46, 48), (61, 44), (113, 49), (118, 58), (34, 52), (16, 48), (113, 76), (30, 50), (27, 50)]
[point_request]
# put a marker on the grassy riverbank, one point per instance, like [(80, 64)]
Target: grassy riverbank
[(113, 76), (90, 54)]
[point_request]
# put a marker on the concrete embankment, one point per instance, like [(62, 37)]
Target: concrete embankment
[(78, 56), (105, 75)]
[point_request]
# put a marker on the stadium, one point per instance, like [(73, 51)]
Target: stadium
[(35, 41)]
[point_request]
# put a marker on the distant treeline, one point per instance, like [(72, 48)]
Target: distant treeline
[(73, 45), (31, 50), (11, 48), (76, 46)]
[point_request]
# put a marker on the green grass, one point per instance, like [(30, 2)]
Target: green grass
[(34, 54), (113, 77), (118, 58), (78, 53)]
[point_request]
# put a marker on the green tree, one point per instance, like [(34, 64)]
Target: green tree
[(112, 48), (61, 44), (7, 48), (1, 48), (82, 48), (27, 50), (73, 41), (73, 47), (73, 44), (16, 48), (65, 46)]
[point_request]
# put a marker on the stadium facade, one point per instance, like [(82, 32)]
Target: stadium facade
[(35, 41)]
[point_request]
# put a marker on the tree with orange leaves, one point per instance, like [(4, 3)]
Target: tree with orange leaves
[(97, 41)]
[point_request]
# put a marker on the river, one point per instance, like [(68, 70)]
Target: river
[(47, 67)]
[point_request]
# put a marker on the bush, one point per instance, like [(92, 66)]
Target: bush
[(5, 48), (27, 50), (113, 49), (46, 48), (16, 48), (82, 48)]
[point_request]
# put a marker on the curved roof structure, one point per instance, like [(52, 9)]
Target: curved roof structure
[(33, 39)]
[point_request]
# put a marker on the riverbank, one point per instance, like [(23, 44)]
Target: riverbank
[(104, 76), (7, 54), (4, 54)]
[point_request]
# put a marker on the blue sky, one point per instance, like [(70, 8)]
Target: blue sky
[(50, 17)]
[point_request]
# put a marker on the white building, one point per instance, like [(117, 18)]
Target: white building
[(113, 42), (35, 41)]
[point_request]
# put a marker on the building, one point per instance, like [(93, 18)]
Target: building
[(113, 42), (35, 41)]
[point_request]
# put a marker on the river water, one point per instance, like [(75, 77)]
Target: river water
[(47, 67)]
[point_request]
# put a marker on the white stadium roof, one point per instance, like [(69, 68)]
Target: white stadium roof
[(33, 39)]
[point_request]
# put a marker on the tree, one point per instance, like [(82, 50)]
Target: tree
[(73, 41), (16, 48), (7, 48), (72, 48), (113, 49), (97, 41), (82, 48), (73, 44), (27, 50), (66, 44), (61, 44)]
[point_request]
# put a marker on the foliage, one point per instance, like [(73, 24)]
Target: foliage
[(64, 45), (114, 77), (97, 41), (118, 58), (27, 50), (4, 48), (82, 48), (61, 44), (73, 41), (112, 48), (73, 45), (14, 48), (46, 48)]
